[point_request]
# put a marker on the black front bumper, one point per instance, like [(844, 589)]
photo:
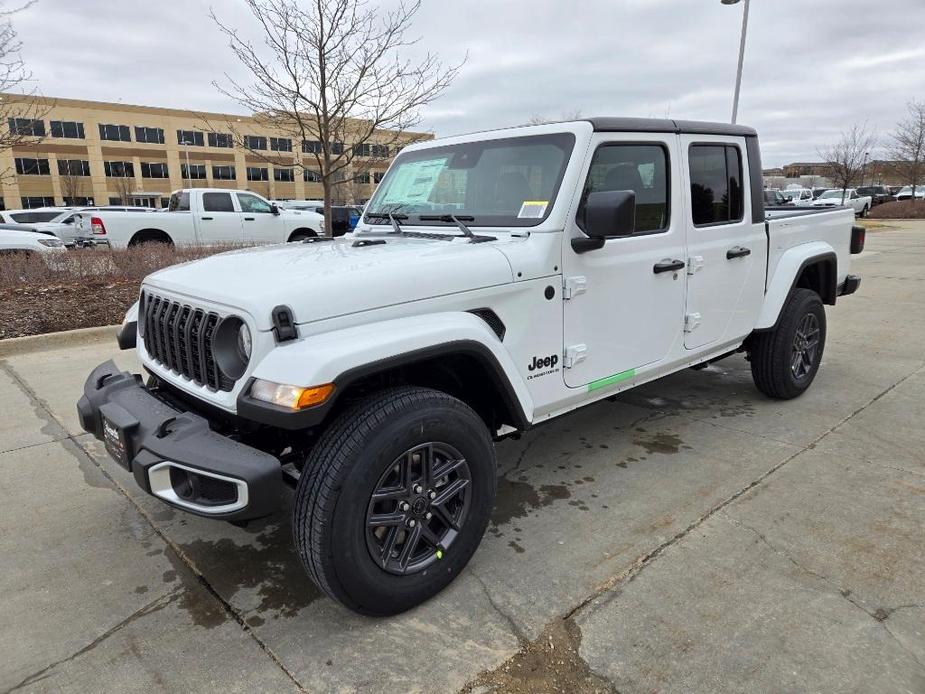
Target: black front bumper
[(173, 454)]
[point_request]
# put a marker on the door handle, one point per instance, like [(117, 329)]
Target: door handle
[(248, 219), (668, 266), (206, 219), (737, 252)]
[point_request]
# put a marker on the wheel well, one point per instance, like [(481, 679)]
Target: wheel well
[(149, 235), (469, 376), (820, 275), (303, 231)]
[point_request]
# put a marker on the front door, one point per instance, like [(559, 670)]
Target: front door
[(627, 298), (727, 252), (219, 221), (260, 224)]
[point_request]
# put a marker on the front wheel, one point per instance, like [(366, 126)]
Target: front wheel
[(785, 359), (394, 499)]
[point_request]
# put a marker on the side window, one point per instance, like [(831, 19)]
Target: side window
[(217, 202), (716, 184), (642, 169), (251, 203)]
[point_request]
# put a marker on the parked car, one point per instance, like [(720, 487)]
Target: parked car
[(819, 191), (799, 197), (202, 216), (905, 193), (22, 238), (878, 194), (774, 197), (849, 198), (345, 217), (372, 373)]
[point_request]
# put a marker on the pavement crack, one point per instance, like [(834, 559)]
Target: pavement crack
[(77, 449), (153, 606), (515, 628)]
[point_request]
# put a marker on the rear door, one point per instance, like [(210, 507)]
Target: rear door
[(219, 221), (727, 252), (627, 298)]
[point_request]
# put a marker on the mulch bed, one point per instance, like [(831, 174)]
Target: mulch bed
[(900, 209)]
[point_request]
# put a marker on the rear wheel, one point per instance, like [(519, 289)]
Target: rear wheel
[(394, 499), (302, 234), (785, 360), (150, 236)]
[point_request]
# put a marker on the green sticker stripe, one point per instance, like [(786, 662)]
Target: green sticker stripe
[(610, 380)]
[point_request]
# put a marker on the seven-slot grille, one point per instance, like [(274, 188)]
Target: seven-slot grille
[(179, 337)]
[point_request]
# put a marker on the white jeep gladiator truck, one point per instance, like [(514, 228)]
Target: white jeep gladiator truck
[(201, 216), (496, 281)]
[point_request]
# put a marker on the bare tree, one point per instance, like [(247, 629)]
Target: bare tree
[(538, 119), (20, 106), (125, 185), (846, 158), (72, 185), (330, 74), (907, 146)]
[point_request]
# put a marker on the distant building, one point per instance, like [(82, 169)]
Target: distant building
[(89, 152), (877, 172)]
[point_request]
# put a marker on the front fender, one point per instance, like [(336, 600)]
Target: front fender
[(342, 356), (785, 276)]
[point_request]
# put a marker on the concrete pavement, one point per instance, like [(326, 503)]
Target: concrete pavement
[(689, 536)]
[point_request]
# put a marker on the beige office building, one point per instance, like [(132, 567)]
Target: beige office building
[(89, 152)]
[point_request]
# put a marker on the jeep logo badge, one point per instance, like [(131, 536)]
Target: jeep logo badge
[(544, 362)]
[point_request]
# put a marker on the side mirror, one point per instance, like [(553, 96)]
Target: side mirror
[(607, 214), (274, 208)]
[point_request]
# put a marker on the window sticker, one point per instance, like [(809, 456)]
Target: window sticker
[(533, 209), (413, 182)]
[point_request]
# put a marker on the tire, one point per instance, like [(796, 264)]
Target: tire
[(773, 352), (301, 235), (150, 236), (865, 211), (358, 564)]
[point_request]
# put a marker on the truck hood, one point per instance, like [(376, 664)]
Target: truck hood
[(325, 279)]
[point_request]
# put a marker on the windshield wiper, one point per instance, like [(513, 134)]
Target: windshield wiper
[(457, 220), (398, 231)]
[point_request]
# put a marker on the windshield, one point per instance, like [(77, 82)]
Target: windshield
[(828, 195), (509, 182)]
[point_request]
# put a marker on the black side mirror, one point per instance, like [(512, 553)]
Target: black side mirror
[(607, 214), (274, 208)]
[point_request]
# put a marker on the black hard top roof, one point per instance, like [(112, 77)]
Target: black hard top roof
[(665, 125)]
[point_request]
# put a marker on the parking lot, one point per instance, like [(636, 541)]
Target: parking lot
[(689, 535)]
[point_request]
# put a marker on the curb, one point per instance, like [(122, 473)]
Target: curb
[(50, 341)]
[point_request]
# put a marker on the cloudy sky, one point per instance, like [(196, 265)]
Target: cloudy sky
[(812, 67)]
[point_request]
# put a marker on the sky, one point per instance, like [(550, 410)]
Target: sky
[(812, 67)]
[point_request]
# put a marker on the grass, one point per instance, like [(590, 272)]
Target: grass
[(900, 209)]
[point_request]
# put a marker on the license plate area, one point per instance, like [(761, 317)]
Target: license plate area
[(118, 426)]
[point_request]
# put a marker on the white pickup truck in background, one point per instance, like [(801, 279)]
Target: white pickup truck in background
[(201, 216), (861, 204)]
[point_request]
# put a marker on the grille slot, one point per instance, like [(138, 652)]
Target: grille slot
[(179, 338)]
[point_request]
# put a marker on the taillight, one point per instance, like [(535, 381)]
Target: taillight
[(97, 228), (858, 235)]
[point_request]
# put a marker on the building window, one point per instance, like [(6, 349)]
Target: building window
[(280, 144), (315, 147), (716, 184), (32, 167), (154, 170), (255, 142), (223, 173), (189, 137), (30, 203), (65, 128), (73, 167), (362, 150), (119, 169), (221, 140), (311, 176), (27, 126), (196, 172), (78, 202), (257, 173), (380, 151), (165, 202), (154, 136), (361, 177), (117, 133), (115, 201), (378, 176), (283, 174)]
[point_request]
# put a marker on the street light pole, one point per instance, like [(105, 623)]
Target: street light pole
[(735, 100), (189, 174)]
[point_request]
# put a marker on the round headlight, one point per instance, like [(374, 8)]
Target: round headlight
[(244, 342)]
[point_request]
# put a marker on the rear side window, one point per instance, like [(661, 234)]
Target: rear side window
[(217, 202), (642, 169), (716, 184), (179, 202)]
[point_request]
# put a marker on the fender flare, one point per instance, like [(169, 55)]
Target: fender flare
[(345, 356), (787, 273)]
